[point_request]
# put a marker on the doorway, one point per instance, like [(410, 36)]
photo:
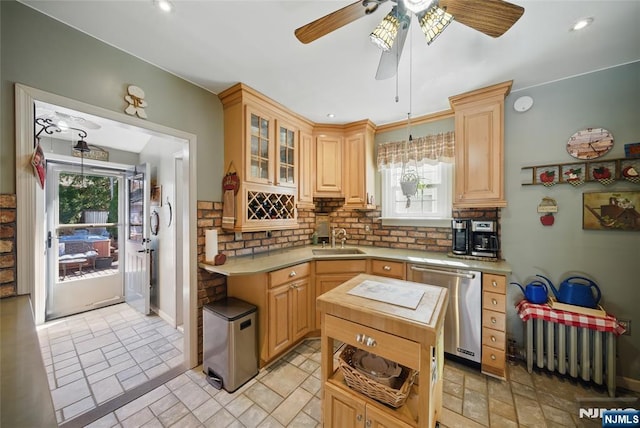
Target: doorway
[(31, 205)]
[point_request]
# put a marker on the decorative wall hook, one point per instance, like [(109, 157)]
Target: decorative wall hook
[(47, 126)]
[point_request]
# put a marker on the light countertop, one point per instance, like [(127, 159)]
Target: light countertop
[(26, 401), (273, 260)]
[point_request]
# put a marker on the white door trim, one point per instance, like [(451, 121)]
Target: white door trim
[(30, 222)]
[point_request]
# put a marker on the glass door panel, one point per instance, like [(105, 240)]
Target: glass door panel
[(83, 221), (286, 156), (260, 149)]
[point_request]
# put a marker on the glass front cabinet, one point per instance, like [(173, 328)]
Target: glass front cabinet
[(261, 141)]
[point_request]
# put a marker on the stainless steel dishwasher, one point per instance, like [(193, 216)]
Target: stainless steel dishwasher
[(463, 320)]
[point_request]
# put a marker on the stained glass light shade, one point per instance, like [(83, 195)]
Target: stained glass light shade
[(385, 33), (433, 22)]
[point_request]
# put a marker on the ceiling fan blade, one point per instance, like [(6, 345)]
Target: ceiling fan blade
[(339, 18), (388, 65), (491, 17)]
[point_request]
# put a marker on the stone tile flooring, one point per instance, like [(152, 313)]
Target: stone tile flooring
[(287, 394), (92, 357)]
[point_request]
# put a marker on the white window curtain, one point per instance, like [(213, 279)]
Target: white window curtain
[(421, 150)]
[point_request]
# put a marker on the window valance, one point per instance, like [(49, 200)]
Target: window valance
[(430, 148)]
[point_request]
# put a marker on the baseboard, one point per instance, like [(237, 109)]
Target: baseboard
[(170, 320), (628, 383)]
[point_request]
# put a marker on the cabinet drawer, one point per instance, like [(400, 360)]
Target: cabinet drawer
[(494, 283), (387, 268), (493, 320), (493, 301), (394, 348), (341, 266), (493, 357), (493, 338), (281, 276)]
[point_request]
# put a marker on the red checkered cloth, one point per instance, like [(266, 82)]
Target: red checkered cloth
[(608, 324)]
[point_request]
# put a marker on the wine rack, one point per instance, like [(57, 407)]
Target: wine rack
[(270, 206)]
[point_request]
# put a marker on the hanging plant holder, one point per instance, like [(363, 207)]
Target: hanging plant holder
[(409, 185)]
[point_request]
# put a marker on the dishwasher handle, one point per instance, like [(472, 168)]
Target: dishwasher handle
[(444, 272)]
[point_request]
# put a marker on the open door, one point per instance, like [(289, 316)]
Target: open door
[(137, 266)]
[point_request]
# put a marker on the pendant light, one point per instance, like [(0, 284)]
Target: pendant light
[(82, 147)]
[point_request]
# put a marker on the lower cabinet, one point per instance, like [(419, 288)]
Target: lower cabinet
[(342, 410), (289, 314), (494, 324), (284, 299), (388, 268), (331, 273)]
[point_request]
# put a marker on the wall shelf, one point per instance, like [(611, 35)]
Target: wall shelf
[(605, 171)]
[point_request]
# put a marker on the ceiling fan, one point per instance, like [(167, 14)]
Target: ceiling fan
[(491, 17)]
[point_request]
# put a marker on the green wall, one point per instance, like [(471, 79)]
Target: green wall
[(608, 99), (45, 54)]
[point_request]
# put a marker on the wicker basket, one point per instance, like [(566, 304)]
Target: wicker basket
[(394, 397)]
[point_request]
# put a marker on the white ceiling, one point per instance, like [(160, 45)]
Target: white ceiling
[(215, 44), (100, 131)]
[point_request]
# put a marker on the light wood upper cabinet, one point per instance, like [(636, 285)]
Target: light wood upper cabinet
[(479, 159), (359, 168), (286, 156), (261, 140), (306, 170), (329, 154)]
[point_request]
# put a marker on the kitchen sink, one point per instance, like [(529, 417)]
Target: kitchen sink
[(336, 251)]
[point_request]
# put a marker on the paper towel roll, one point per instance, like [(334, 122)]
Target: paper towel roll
[(210, 244)]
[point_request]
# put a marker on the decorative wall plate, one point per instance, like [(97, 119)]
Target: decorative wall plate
[(590, 143)]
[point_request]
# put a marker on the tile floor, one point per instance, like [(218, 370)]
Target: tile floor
[(92, 357), (287, 394)]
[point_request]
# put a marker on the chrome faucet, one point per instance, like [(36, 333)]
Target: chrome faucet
[(335, 233)]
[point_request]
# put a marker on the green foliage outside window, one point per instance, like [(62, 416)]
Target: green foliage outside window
[(77, 194)]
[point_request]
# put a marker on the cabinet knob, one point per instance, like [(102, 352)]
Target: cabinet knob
[(386, 267), (292, 274), (493, 320), (360, 338), (494, 301), (292, 286), (493, 357), (494, 283), (359, 418), (368, 422), (371, 342), (493, 338)]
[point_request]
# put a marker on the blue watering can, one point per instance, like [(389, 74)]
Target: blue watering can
[(576, 290), (534, 292)]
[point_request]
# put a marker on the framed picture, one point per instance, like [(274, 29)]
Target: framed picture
[(156, 196), (611, 211)]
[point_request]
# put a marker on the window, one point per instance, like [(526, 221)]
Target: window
[(432, 199)]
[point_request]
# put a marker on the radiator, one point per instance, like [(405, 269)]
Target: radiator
[(573, 351)]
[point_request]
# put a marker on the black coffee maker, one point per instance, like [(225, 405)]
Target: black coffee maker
[(484, 238), (460, 236)]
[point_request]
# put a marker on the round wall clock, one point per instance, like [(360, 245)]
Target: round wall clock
[(590, 143)]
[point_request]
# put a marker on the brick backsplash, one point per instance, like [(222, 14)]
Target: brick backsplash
[(363, 228), (8, 245)]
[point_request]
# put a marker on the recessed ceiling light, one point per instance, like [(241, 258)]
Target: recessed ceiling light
[(164, 5), (331, 115), (581, 24)]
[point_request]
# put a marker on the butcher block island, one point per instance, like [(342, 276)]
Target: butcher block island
[(397, 320)]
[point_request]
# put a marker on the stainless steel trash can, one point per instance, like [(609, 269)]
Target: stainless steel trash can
[(230, 357)]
